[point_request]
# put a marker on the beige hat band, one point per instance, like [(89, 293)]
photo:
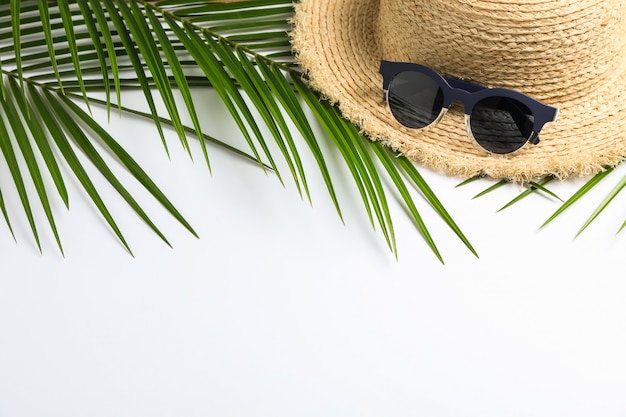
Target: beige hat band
[(543, 49)]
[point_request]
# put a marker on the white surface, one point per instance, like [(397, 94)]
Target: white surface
[(280, 310)]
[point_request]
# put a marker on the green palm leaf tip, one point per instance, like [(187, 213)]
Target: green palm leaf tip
[(136, 62), (500, 183), (42, 106), (94, 34), (8, 151), (434, 201), (590, 184), (41, 140), (142, 35), (329, 125), (272, 113), (257, 91), (225, 87), (604, 204), (103, 26), (129, 163), (283, 91), (358, 161), (372, 180), (179, 76), (5, 214), (23, 141), (79, 137), (532, 188), (389, 165)]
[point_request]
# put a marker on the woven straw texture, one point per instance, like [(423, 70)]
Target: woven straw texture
[(570, 54)]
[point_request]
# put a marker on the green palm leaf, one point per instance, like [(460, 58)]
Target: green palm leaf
[(11, 159), (583, 191), (165, 49), (17, 42), (113, 68), (68, 25), (26, 149)]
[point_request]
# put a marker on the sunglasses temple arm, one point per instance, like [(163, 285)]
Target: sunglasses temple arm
[(534, 138)]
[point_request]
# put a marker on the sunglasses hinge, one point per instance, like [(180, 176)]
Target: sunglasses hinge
[(534, 138)]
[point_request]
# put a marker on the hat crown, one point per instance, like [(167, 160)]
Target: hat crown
[(544, 48)]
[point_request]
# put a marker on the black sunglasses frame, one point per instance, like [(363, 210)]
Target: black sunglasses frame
[(469, 94)]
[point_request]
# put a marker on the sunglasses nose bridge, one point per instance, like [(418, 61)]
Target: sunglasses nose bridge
[(461, 97)]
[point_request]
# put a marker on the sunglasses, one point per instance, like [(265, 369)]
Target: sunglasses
[(500, 120)]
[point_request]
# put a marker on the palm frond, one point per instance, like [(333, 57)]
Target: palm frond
[(531, 188), (584, 191), (491, 188), (10, 157), (242, 49)]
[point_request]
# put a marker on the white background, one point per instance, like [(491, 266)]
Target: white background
[(281, 310)]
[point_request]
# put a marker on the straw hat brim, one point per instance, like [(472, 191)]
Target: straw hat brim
[(337, 46)]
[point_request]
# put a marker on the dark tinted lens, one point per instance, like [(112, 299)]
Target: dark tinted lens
[(501, 125), (415, 99)]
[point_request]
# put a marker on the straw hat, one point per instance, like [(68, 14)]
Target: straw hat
[(570, 54)]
